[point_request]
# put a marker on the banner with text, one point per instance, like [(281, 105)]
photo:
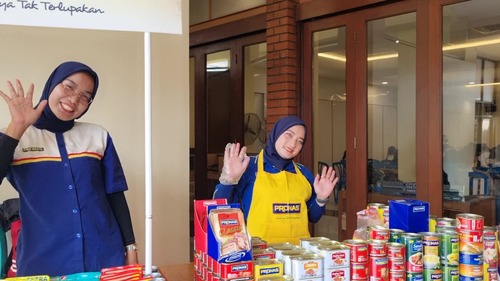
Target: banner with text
[(160, 16)]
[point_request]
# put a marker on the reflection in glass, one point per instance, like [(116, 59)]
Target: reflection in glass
[(391, 100), (255, 82), (471, 87)]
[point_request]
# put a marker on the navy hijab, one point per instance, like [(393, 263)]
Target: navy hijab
[(279, 128), (48, 119)]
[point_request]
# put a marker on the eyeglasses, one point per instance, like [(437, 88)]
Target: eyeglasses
[(70, 90)]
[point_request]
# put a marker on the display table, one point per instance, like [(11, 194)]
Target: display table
[(178, 272), (479, 204)]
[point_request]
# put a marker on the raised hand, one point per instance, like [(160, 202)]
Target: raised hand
[(235, 163), (324, 183), (21, 108)]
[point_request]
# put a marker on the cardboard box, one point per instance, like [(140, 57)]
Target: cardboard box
[(409, 215), (215, 246), (201, 224)]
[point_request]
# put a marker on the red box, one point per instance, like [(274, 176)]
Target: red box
[(201, 224)]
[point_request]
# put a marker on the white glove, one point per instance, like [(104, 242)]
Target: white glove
[(235, 163)]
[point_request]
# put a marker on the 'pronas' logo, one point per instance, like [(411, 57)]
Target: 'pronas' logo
[(230, 222), (418, 209), (241, 267), (283, 208), (267, 271)]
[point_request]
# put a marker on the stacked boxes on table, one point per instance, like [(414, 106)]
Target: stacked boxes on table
[(222, 244)]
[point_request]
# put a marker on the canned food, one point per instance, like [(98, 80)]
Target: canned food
[(445, 222), (470, 242), (359, 250), (397, 275), (450, 273), (395, 235), (432, 223), (359, 270), (397, 264), (267, 268), (448, 252), (411, 276), (430, 249), (469, 270), (337, 274), (304, 242), (413, 246), (377, 248), (378, 232), (307, 266), (335, 255), (286, 258), (396, 251), (378, 268), (431, 274), (469, 222)]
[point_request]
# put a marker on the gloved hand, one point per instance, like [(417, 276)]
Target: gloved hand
[(235, 163)]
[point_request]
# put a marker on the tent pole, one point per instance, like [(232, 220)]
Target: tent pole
[(148, 162)]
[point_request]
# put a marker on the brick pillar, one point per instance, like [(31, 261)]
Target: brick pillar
[(282, 63)]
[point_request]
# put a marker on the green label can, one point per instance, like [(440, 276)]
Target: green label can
[(448, 249), (450, 273)]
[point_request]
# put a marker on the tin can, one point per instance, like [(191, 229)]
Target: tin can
[(433, 274), (385, 215), (397, 275), (430, 249), (470, 242), (268, 268), (359, 270), (378, 268), (377, 248), (286, 258), (396, 251), (432, 223), (445, 221), (448, 250), (469, 222), (337, 274), (440, 229), (410, 276), (469, 270), (395, 235), (414, 255), (396, 264), (450, 273), (359, 250), (490, 254), (304, 242), (377, 232), (307, 266), (335, 255), (263, 254)]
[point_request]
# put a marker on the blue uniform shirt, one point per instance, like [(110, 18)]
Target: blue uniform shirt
[(243, 191), (63, 180)]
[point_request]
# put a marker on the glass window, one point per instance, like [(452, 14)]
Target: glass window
[(391, 101), (329, 112), (471, 87), (255, 82)]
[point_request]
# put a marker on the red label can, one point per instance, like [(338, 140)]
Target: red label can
[(359, 250), (469, 222)]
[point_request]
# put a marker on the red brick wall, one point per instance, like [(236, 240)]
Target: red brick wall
[(282, 63)]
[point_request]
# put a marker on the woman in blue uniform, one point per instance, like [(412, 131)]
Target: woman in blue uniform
[(71, 185), (278, 196)]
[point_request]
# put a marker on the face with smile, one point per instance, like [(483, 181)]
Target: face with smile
[(289, 144), (66, 100)]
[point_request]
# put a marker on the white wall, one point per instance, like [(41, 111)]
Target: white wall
[(30, 54)]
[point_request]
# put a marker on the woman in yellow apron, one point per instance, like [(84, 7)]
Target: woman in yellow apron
[(278, 196)]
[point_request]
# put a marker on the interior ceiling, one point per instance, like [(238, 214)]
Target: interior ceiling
[(474, 20)]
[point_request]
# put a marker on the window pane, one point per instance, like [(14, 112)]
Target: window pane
[(329, 109), (471, 81), (391, 100), (255, 82), (218, 101), (226, 7)]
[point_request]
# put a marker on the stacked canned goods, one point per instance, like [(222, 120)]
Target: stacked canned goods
[(336, 261), (377, 260), (358, 258), (396, 256), (431, 260), (490, 254), (470, 244), (414, 256), (395, 235), (448, 254)]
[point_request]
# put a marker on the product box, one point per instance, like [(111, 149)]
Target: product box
[(228, 240), (409, 215), (201, 224)]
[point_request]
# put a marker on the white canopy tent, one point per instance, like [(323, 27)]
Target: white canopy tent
[(159, 16)]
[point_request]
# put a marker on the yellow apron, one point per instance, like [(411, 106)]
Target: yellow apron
[(278, 212)]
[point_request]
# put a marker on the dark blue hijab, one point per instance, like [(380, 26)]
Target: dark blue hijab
[(48, 119), (279, 128)]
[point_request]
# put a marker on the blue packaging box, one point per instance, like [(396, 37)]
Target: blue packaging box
[(409, 215)]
